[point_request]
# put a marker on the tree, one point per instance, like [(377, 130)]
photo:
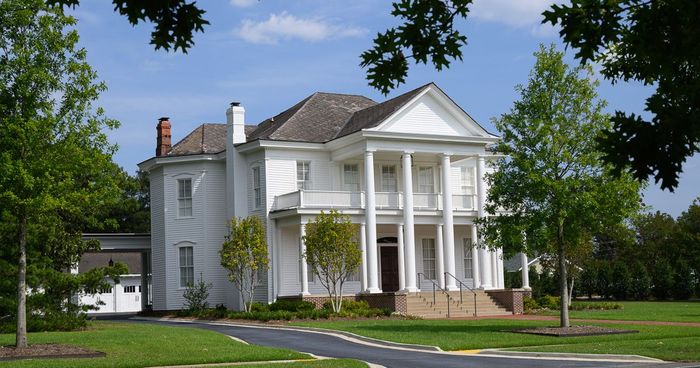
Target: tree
[(332, 252), (551, 185), (55, 163), (196, 295), (131, 213), (653, 42), (244, 256)]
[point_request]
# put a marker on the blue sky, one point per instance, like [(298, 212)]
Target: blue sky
[(270, 54)]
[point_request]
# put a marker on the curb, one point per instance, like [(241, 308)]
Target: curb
[(569, 356)]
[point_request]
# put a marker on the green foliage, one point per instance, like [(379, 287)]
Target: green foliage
[(291, 305), (605, 280), (683, 281), (578, 306), (640, 282), (589, 278), (530, 304), (661, 279), (332, 252), (196, 295), (549, 302), (621, 281), (244, 255), (653, 42)]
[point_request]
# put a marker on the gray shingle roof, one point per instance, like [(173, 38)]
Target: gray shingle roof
[(318, 118)]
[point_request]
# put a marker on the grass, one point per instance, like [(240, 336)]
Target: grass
[(664, 342), (676, 311), (139, 345)]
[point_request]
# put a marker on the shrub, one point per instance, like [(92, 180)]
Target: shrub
[(292, 305), (530, 304), (621, 281), (595, 306), (640, 282), (259, 307), (661, 279), (196, 296), (549, 302)]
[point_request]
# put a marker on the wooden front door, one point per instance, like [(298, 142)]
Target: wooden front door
[(390, 268)]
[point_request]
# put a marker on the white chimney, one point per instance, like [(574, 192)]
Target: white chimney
[(235, 119)]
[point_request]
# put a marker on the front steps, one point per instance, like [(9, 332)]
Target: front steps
[(421, 304)]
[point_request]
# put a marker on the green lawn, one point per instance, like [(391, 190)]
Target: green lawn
[(139, 345), (664, 342), (681, 311)]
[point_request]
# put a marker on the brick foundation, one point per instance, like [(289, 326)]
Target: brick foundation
[(511, 299), (392, 301)]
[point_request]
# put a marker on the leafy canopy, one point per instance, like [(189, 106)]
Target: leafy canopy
[(551, 187)]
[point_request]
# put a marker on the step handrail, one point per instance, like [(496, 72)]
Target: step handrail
[(436, 287), (461, 300)]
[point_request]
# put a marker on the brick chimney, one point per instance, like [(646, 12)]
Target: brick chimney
[(163, 143)]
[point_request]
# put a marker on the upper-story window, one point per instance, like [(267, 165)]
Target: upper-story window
[(351, 177), (389, 182), (426, 181), (467, 180), (184, 197), (257, 193), (303, 175)]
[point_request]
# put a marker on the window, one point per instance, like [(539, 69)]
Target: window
[(467, 179), (105, 290), (351, 177), (257, 194), (429, 258), (184, 197), (186, 267), (130, 289), (468, 273), (389, 183), (426, 181), (303, 175)]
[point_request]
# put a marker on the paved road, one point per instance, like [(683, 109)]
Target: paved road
[(331, 346)]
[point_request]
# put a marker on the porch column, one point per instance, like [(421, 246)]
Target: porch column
[(304, 266), (144, 280), (475, 259), (484, 255), (448, 221), (363, 247), (439, 254), (409, 228), (276, 260), (525, 274), (499, 270), (371, 221), (494, 269), (402, 261)]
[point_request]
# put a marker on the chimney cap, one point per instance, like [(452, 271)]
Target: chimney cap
[(164, 118), (235, 104)]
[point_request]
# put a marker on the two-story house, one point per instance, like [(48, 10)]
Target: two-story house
[(409, 171)]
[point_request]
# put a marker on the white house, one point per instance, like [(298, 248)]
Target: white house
[(409, 171)]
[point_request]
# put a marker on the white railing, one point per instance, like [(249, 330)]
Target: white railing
[(288, 200), (332, 199), (464, 202), (426, 201), (388, 200)]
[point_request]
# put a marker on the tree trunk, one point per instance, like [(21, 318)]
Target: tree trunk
[(563, 283), (571, 290), (21, 336)]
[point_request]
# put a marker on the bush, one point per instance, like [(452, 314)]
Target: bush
[(683, 281), (595, 306), (292, 305), (259, 307), (549, 302), (530, 304), (621, 281), (661, 279), (640, 282), (196, 296)]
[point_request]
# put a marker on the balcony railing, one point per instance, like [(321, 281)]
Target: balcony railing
[(356, 200)]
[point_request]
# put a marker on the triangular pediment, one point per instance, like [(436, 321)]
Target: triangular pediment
[(432, 112)]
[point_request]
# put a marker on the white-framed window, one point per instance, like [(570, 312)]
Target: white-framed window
[(184, 197), (467, 252), (426, 180), (130, 289), (257, 191), (107, 290), (186, 266), (467, 181), (351, 177), (429, 258), (303, 175), (389, 181)]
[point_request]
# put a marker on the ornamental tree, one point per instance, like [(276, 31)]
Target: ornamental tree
[(55, 164), (332, 252), (551, 187), (244, 255)]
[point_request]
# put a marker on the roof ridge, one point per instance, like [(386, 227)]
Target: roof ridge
[(301, 104)]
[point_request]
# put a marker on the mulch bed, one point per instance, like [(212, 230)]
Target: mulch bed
[(47, 351), (573, 331)]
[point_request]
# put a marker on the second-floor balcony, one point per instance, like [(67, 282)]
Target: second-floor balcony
[(324, 199)]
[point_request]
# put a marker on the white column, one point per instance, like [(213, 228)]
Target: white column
[(484, 255), (363, 247), (525, 274), (499, 273), (371, 221), (439, 250), (475, 259), (276, 261), (494, 270), (448, 229), (304, 267), (409, 228), (402, 261)]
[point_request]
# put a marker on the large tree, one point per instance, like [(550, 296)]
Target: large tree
[(55, 162), (551, 187)]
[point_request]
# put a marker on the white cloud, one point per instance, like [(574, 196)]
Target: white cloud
[(285, 26), (243, 3), (525, 14)]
